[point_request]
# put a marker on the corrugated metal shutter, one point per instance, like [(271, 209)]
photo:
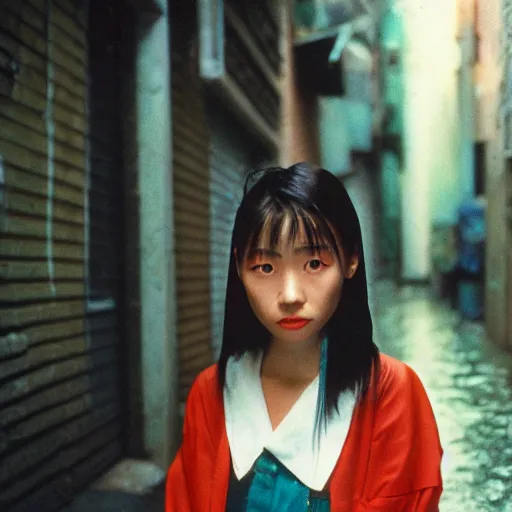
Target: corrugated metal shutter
[(59, 401), (232, 155), (191, 210)]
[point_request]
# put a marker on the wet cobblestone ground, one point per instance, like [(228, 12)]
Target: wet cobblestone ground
[(469, 382)]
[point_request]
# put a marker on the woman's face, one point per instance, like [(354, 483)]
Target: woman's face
[(295, 288)]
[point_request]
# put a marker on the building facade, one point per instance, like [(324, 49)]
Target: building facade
[(62, 307), (125, 137), (72, 314), (494, 95)]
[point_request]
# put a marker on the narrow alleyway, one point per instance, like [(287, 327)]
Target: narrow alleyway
[(469, 383)]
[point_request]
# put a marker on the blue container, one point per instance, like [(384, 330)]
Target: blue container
[(470, 299), (472, 233)]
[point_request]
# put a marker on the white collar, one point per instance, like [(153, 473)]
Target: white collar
[(249, 429)]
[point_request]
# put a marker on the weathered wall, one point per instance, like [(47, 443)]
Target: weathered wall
[(191, 142), (466, 103), (59, 402), (431, 171), (299, 116), (491, 21), (159, 353), (392, 78)]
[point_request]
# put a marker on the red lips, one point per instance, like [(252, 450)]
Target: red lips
[(293, 323)]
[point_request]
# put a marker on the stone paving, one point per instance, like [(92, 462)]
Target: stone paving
[(469, 382), (131, 486)]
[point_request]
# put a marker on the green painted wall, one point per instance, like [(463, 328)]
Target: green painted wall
[(392, 90)]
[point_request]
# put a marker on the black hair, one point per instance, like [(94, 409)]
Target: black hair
[(315, 199)]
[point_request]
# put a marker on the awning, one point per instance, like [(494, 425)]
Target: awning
[(317, 70), (318, 57)]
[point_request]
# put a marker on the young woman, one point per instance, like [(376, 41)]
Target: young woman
[(302, 413)]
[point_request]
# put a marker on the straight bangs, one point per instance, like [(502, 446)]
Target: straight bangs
[(267, 226)]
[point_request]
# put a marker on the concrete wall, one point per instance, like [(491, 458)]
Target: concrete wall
[(431, 178), (466, 36), (489, 26), (389, 218), (488, 68), (391, 41), (157, 273), (392, 78), (334, 134), (344, 126), (299, 128)]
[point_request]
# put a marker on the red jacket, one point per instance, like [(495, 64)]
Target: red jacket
[(390, 461)]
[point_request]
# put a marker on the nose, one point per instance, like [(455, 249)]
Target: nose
[(292, 294)]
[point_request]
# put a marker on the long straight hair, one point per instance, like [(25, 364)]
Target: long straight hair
[(316, 200)]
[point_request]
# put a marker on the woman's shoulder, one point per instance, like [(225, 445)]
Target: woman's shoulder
[(206, 383), (403, 405), (208, 377), (404, 450), (204, 401), (397, 379), (395, 372)]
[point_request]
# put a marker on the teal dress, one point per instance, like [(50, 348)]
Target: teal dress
[(270, 487)]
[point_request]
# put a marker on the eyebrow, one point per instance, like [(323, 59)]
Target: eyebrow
[(304, 249)]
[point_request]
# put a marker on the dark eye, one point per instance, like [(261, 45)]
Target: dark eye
[(315, 264), (266, 268)]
